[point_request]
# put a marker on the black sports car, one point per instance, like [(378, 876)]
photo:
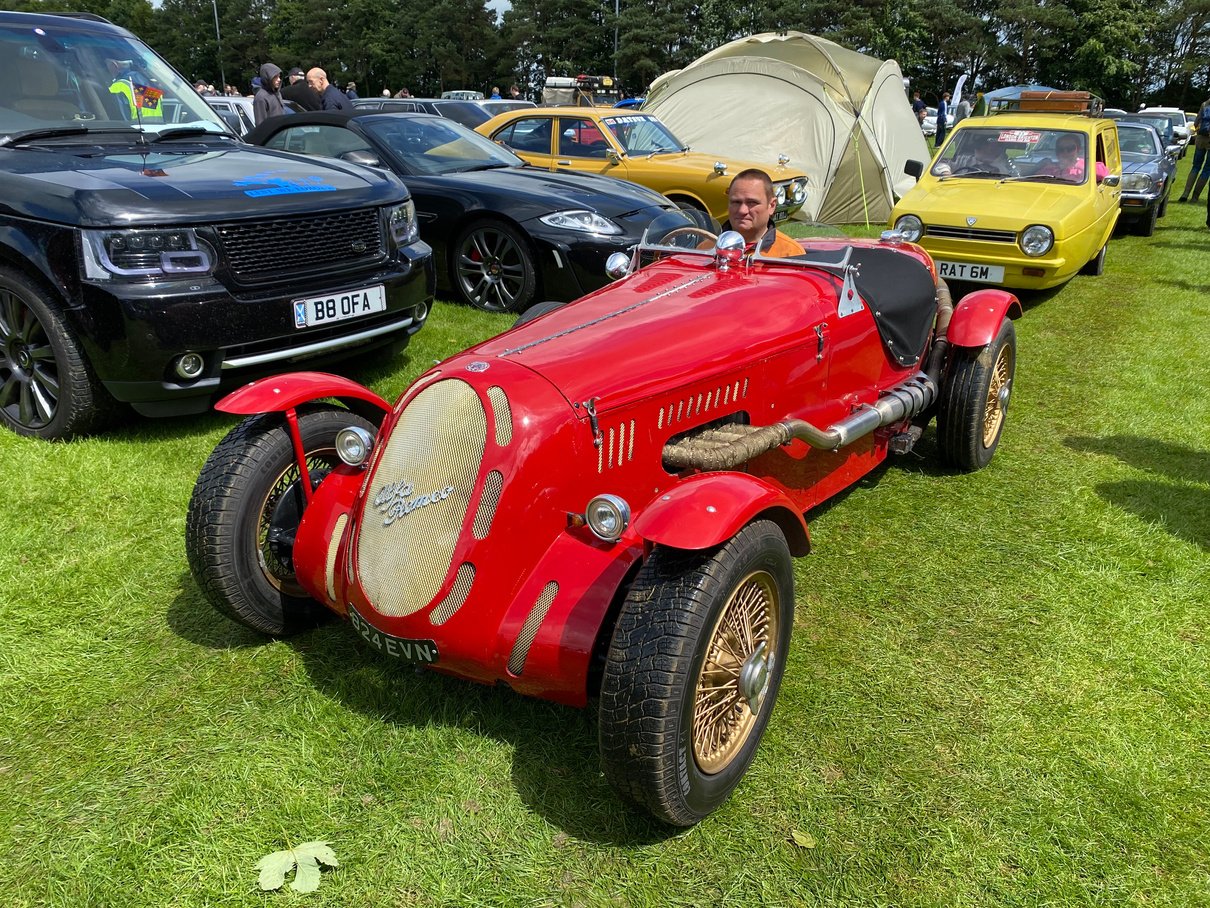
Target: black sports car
[(503, 233), (469, 113)]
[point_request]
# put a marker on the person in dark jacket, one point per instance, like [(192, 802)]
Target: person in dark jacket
[(333, 98), (302, 94), (267, 102)]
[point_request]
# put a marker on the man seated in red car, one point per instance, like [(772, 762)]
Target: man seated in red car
[(750, 206)]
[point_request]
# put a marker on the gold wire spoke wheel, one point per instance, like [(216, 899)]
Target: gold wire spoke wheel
[(997, 396), (277, 572), (744, 635)]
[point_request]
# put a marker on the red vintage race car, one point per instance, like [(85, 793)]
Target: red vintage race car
[(602, 503)]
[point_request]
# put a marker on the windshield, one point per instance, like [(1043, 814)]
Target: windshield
[(468, 113), (433, 145), (1020, 153), (639, 134), (59, 77), (1139, 141)]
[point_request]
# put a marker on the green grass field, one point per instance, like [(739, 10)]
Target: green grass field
[(998, 692)]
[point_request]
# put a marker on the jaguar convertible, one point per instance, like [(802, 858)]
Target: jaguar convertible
[(603, 502)]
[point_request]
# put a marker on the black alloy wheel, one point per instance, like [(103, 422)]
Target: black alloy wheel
[(493, 268)]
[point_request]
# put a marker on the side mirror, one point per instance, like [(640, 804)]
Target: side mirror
[(1111, 179), (914, 169), (362, 157), (612, 156)]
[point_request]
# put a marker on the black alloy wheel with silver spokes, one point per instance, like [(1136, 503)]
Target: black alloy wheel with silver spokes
[(46, 386), (493, 268)]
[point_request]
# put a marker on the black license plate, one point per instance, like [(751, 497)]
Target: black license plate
[(423, 652)]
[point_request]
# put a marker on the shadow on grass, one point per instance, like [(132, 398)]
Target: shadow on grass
[(556, 766), (1179, 504)]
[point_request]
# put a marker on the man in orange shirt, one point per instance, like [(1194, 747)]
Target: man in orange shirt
[(750, 206)]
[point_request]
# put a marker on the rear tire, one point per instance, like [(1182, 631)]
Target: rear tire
[(245, 508), (974, 401), (692, 672)]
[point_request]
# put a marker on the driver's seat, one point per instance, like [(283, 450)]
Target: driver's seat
[(35, 90)]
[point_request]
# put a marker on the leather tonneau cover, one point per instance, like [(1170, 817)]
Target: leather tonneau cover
[(900, 292)]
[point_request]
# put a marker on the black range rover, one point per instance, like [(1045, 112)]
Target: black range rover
[(148, 256)]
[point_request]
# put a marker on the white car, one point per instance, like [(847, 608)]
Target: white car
[(929, 125), (1181, 133)]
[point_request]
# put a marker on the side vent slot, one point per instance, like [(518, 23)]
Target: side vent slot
[(529, 630), (457, 595), (617, 447), (493, 483), (338, 533), (503, 415), (696, 405)]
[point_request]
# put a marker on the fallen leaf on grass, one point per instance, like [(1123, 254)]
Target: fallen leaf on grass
[(802, 839), (305, 861)]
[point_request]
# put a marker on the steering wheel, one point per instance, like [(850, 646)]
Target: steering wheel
[(704, 234)]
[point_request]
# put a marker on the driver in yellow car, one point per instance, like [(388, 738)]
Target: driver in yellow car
[(750, 206)]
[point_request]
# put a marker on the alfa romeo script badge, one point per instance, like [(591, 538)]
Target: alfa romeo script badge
[(395, 500)]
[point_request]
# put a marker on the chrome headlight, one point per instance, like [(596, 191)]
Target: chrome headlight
[(779, 193), (1137, 182), (111, 255), (581, 221), (798, 192), (353, 445), (911, 227), (1036, 240), (607, 516), (401, 224)]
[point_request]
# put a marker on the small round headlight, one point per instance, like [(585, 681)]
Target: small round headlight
[(781, 196), (1037, 240), (911, 227), (607, 516), (190, 365), (353, 445), (799, 192)]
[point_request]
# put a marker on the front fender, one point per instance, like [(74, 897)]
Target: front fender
[(708, 509), (280, 393), (978, 316)]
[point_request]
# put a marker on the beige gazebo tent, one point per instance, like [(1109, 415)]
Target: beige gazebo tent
[(843, 117)]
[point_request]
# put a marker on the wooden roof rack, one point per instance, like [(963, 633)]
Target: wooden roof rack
[(1060, 102)]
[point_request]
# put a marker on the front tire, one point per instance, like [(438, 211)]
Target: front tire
[(974, 401), (245, 509), (1095, 266), (536, 310), (493, 268), (693, 670), (47, 388), (1145, 226)]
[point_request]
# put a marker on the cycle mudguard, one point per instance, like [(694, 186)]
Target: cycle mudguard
[(279, 393), (978, 316)]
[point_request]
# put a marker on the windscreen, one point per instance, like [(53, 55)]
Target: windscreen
[(989, 153), (640, 134), (59, 76), (434, 145)]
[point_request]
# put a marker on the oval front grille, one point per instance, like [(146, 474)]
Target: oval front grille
[(418, 499)]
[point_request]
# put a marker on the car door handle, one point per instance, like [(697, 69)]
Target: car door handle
[(563, 163)]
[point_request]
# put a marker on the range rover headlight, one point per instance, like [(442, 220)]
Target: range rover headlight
[(910, 227), (1137, 182), (607, 516), (1037, 240), (401, 224), (581, 221), (353, 445), (138, 254)]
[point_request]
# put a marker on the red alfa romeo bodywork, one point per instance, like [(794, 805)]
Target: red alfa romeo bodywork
[(461, 543)]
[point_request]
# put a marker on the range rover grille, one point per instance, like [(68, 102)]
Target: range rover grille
[(270, 250), (418, 498), (971, 233)]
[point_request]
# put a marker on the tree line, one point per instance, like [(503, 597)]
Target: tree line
[(1129, 52)]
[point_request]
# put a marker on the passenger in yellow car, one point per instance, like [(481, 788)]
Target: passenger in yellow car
[(750, 206)]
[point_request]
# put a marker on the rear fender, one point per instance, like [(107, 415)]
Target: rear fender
[(978, 316), (280, 393), (708, 509)]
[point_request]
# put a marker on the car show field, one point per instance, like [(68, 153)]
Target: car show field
[(995, 691)]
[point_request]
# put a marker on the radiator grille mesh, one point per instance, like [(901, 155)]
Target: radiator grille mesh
[(492, 484), (456, 596), (503, 413), (434, 453), (338, 533), (529, 630)]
